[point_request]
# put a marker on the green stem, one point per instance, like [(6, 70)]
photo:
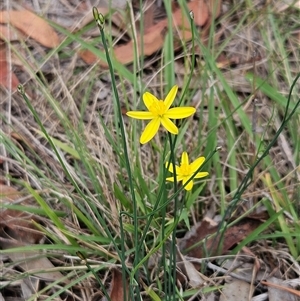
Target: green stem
[(134, 279)]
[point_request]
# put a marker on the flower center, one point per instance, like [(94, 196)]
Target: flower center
[(185, 169), (158, 108)]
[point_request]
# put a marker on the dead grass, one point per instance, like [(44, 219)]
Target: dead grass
[(81, 92)]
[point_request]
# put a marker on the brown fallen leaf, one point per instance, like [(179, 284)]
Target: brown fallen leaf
[(116, 287), (153, 41), (14, 223), (32, 25), (232, 236), (7, 78), (149, 14), (17, 230), (31, 262), (200, 11), (153, 38), (87, 56)]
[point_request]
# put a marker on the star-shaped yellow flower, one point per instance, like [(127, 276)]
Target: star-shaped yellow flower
[(159, 112), (185, 171)]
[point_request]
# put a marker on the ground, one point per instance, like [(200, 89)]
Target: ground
[(86, 211)]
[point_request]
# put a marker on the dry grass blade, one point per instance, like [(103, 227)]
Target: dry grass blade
[(64, 145)]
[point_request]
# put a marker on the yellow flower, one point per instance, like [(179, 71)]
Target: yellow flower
[(185, 171), (159, 112)]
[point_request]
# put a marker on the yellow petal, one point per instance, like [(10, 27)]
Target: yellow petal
[(170, 97), (148, 99), (180, 112), (197, 163), (169, 125), (171, 168), (189, 186), (150, 130), (178, 178), (184, 159), (201, 174), (170, 179), (140, 115)]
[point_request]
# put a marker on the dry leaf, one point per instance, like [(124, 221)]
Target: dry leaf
[(200, 11), (17, 230), (124, 54), (232, 236), (5, 73), (29, 286), (31, 262), (149, 14), (189, 270), (32, 25), (153, 41), (153, 38), (116, 292), (235, 290), (14, 223)]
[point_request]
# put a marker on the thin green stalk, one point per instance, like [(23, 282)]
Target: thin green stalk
[(142, 30), (137, 64), (169, 69), (193, 62), (164, 247), (248, 178), (68, 174), (157, 209), (100, 22), (173, 261)]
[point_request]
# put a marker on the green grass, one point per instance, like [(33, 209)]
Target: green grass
[(104, 196)]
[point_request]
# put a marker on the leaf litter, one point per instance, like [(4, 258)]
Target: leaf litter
[(242, 276)]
